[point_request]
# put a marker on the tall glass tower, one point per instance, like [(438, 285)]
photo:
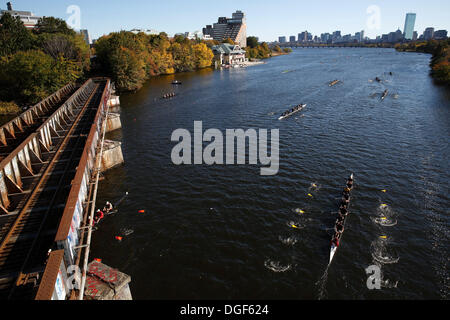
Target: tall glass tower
[(409, 25)]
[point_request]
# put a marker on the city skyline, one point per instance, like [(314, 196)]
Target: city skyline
[(294, 16)]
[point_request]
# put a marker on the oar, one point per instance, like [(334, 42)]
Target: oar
[(121, 199)]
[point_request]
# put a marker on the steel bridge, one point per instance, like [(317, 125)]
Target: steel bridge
[(48, 161)]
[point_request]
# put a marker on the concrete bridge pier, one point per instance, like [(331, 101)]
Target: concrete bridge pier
[(112, 150)]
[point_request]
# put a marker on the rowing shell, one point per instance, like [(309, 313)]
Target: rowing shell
[(334, 248), (332, 251), (290, 114)]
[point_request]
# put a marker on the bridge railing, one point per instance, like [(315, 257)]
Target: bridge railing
[(54, 280), (19, 163), (75, 211), (28, 117)]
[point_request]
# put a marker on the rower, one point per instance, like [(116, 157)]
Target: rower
[(344, 203), (335, 239), (339, 227), (108, 207), (343, 211), (349, 183), (98, 216), (346, 196)]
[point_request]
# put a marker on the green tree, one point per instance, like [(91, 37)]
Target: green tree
[(13, 35), (228, 40), (30, 76), (252, 42), (53, 25), (128, 70), (131, 59), (277, 49)]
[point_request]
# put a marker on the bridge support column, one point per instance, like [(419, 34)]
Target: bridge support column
[(113, 122), (112, 155)]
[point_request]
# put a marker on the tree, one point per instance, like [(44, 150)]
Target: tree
[(13, 35), (277, 49), (228, 40), (203, 56), (30, 76), (131, 59), (252, 42), (53, 25), (128, 70)]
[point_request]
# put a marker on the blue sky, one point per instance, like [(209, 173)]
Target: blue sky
[(265, 19)]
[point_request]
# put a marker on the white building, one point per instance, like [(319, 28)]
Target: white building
[(147, 32), (28, 18), (194, 35), (228, 54)]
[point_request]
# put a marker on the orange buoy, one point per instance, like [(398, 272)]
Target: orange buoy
[(141, 211), (119, 238)]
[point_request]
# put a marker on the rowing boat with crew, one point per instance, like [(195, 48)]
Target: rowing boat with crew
[(342, 217), (290, 112)]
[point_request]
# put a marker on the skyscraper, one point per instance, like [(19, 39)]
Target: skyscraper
[(86, 36), (428, 34), (234, 28), (409, 26)]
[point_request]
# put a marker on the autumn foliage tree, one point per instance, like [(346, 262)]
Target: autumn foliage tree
[(440, 61), (34, 64), (130, 58)]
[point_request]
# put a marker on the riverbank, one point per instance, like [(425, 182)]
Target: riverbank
[(276, 54), (440, 61)]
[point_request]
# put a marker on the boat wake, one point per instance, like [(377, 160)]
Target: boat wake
[(388, 284), (299, 211), (386, 216), (382, 254), (276, 266), (295, 225), (321, 284), (126, 232), (314, 187), (289, 241), (385, 259), (385, 222)]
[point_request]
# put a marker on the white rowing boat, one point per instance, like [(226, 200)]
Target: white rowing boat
[(290, 114), (334, 248), (332, 252)]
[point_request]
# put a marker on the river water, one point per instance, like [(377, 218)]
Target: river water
[(223, 232)]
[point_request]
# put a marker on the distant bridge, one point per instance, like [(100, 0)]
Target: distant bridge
[(321, 45)]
